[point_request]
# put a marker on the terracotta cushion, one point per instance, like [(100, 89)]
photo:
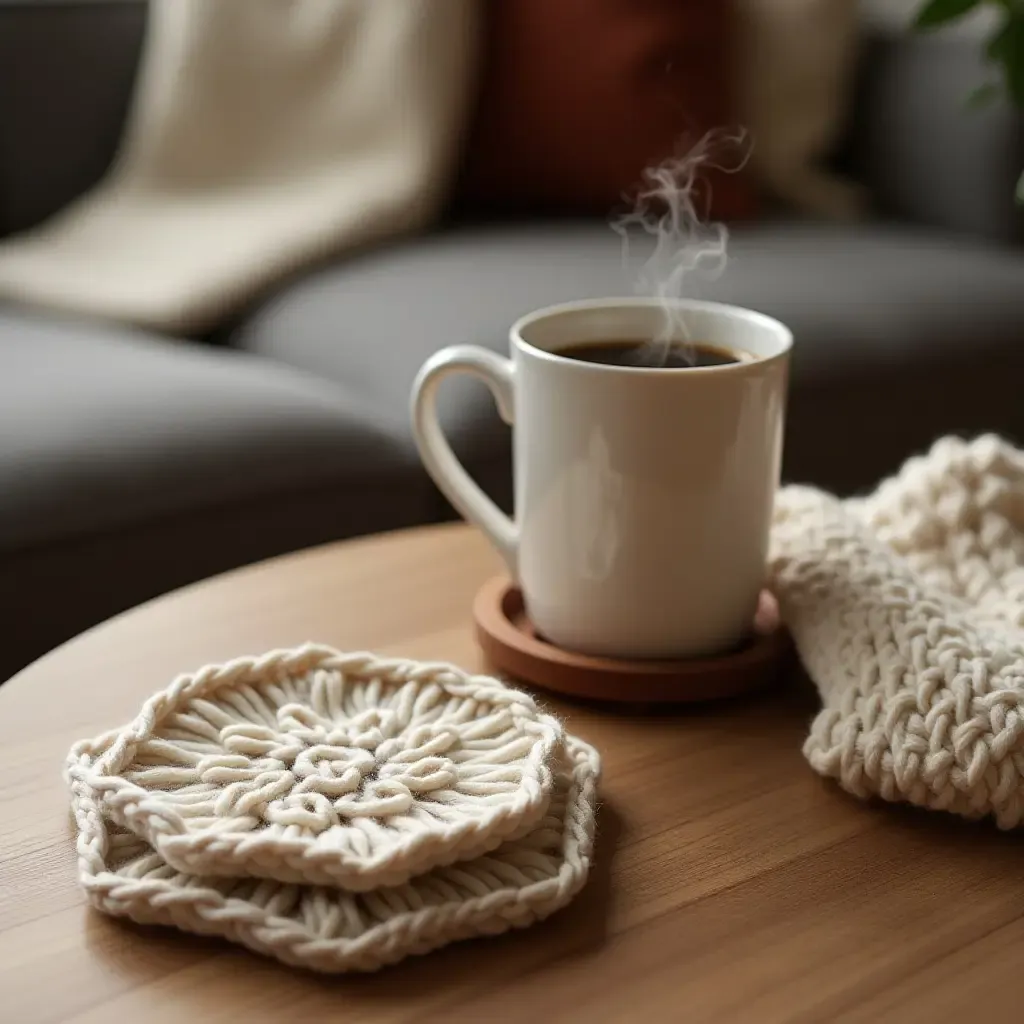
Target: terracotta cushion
[(577, 97)]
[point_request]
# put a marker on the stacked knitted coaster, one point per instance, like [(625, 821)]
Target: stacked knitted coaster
[(335, 811)]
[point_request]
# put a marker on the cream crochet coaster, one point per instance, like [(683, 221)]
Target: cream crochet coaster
[(322, 768), (325, 929), (907, 608)]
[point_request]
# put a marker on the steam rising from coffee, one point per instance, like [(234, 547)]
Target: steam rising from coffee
[(684, 243)]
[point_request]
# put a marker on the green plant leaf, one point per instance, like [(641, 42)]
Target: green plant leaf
[(1000, 42), (1006, 48), (983, 95), (1013, 60), (939, 12)]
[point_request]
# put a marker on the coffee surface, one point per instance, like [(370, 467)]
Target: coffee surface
[(649, 354)]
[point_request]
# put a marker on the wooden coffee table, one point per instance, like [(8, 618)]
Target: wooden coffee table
[(730, 884)]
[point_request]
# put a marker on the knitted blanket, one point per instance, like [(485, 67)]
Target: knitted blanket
[(907, 609), (263, 137)]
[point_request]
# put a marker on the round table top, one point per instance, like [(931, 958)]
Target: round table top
[(730, 882)]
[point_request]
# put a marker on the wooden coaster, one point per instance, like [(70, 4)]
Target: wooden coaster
[(512, 645)]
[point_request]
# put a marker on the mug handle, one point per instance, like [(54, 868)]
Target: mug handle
[(447, 472)]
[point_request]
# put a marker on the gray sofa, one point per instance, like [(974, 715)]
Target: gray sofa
[(131, 464)]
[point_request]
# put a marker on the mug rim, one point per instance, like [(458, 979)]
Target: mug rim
[(783, 333)]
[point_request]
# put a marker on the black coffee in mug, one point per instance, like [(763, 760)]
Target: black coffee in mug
[(650, 354)]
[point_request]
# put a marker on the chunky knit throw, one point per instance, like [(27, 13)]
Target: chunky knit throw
[(907, 608)]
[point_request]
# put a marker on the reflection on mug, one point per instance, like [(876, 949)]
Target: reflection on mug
[(595, 498)]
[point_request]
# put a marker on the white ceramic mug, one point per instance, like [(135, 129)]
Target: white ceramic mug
[(643, 496)]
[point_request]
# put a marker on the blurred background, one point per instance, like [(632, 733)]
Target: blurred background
[(231, 232)]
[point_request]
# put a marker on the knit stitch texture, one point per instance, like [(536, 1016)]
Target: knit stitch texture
[(321, 768), (329, 929), (907, 608)]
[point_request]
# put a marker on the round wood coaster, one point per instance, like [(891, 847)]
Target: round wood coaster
[(513, 646)]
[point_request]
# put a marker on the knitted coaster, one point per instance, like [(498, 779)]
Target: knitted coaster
[(523, 881), (322, 768), (907, 608)]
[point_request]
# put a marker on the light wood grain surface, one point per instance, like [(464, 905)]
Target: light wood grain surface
[(731, 883)]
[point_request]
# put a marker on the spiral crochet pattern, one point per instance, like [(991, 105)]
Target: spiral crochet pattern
[(328, 929), (907, 608), (316, 767)]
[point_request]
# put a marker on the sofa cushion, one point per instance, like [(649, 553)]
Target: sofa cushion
[(102, 427), (66, 76), (922, 154), (131, 465), (796, 66), (887, 321), (578, 97)]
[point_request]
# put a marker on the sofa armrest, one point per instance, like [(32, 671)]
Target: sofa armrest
[(66, 75), (926, 154)]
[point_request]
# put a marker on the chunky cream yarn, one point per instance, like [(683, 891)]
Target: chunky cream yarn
[(326, 929), (321, 768), (907, 608), (335, 811)]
